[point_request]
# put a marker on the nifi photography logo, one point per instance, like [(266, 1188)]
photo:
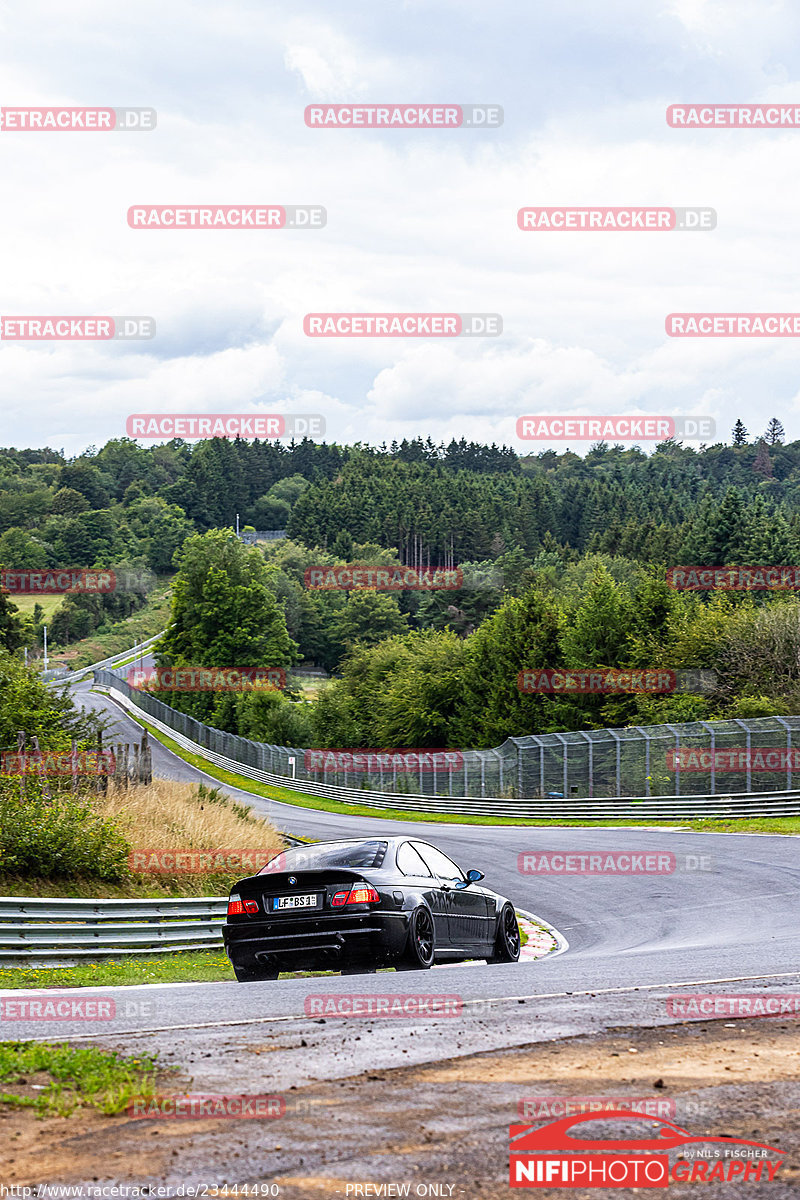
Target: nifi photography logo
[(570, 1153)]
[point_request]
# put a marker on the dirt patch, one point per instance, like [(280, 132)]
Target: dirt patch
[(443, 1125)]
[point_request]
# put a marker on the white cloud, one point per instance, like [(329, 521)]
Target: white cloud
[(416, 221)]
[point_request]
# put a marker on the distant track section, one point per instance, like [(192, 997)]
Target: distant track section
[(740, 804)]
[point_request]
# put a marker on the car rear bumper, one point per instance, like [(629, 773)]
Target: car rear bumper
[(317, 943)]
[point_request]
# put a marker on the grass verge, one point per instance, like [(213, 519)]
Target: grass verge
[(55, 1079), (189, 966), (151, 618), (784, 825)]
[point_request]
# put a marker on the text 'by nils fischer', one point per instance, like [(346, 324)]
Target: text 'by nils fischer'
[(614, 429), (76, 329), (630, 219), (69, 120), (224, 425)]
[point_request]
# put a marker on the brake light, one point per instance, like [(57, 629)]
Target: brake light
[(359, 893), (362, 893), (237, 906)]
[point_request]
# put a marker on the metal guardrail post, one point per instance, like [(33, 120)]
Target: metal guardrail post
[(738, 721), (788, 729)]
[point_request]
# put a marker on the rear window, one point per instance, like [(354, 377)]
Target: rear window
[(329, 854)]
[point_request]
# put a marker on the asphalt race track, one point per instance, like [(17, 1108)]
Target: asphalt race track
[(726, 919)]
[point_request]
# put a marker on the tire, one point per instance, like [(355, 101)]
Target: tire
[(507, 942), (420, 948), (255, 974)]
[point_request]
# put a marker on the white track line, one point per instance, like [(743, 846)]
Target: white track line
[(647, 987)]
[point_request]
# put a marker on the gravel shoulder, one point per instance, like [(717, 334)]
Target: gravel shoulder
[(441, 1123)]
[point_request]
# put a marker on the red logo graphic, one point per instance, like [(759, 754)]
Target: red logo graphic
[(553, 1156)]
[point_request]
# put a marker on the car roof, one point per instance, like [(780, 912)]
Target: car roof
[(394, 838)]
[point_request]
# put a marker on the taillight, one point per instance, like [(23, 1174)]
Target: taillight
[(237, 906), (359, 893), (362, 893)]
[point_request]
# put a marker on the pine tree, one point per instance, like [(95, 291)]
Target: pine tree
[(739, 434), (775, 433)]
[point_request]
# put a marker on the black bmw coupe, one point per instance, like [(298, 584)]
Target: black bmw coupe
[(355, 906)]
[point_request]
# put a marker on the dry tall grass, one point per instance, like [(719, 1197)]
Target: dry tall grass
[(168, 815)]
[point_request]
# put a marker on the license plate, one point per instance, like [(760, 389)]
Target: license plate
[(279, 902)]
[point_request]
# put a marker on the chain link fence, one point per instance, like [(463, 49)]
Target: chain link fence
[(701, 758)]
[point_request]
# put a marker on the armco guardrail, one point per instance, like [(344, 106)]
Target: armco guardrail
[(698, 758), (670, 807), (59, 932), (68, 676)]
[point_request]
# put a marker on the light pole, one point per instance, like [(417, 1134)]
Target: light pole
[(44, 627)]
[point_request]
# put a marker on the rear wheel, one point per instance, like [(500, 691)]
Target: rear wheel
[(420, 948), (507, 941), (255, 974)]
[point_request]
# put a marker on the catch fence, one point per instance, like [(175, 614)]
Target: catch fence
[(562, 772)]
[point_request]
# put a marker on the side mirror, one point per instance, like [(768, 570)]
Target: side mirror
[(474, 876)]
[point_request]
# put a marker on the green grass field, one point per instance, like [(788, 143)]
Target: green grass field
[(26, 604), (54, 1079)]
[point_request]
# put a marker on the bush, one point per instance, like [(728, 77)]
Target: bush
[(62, 837)]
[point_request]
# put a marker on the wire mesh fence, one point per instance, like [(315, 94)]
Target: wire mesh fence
[(701, 758)]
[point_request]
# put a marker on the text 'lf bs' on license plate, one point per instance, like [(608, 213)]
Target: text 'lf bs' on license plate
[(294, 902)]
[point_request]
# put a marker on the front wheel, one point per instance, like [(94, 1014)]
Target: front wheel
[(420, 948), (507, 941)]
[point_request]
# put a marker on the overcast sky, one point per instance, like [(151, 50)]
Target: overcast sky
[(417, 220)]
